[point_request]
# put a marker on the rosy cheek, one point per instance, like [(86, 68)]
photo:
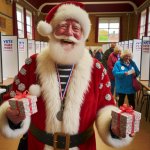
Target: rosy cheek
[(78, 36), (59, 32)]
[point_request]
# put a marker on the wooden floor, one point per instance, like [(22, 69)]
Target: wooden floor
[(141, 140)]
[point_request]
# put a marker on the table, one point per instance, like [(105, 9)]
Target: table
[(7, 83), (5, 86), (145, 96), (2, 90), (145, 84), (1, 93)]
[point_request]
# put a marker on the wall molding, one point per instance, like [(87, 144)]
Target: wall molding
[(1, 13)]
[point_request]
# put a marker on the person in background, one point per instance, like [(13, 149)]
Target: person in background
[(90, 51), (123, 71), (113, 57), (94, 52), (107, 53), (72, 89), (99, 54)]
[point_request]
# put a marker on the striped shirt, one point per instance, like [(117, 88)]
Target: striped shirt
[(64, 73)]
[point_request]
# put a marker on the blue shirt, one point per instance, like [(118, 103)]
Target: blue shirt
[(124, 82)]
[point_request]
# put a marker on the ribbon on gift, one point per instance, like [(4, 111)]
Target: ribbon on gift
[(127, 109), (19, 96)]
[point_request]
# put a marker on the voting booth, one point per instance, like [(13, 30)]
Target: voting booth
[(31, 47), (9, 50), (145, 58), (37, 46), (22, 51), (137, 52), (1, 70)]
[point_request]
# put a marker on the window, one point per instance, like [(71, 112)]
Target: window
[(108, 29), (149, 23), (142, 23), (20, 21), (29, 24)]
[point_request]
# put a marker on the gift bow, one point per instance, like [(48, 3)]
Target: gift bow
[(127, 109), (20, 95)]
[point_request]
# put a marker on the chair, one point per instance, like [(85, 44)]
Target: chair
[(145, 99), (139, 94)]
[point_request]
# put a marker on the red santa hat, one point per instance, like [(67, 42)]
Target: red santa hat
[(67, 10)]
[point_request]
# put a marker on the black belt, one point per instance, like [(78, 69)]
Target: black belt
[(61, 141)]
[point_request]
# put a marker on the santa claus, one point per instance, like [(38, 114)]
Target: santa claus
[(73, 89)]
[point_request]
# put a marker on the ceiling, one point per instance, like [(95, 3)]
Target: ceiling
[(95, 6)]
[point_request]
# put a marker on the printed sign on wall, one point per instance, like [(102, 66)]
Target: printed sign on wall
[(146, 44), (131, 45), (42, 45), (45, 44), (126, 45), (31, 47), (38, 46), (122, 45), (22, 50), (7, 45)]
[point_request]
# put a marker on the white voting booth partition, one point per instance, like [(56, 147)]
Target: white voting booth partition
[(10, 61), (137, 52), (122, 45), (119, 43), (45, 44), (131, 45), (22, 51), (42, 45), (145, 59), (37, 46), (31, 47), (126, 45), (1, 70)]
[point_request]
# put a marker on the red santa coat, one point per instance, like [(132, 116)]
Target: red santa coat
[(88, 99)]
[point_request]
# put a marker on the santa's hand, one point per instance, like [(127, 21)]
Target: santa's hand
[(115, 130), (126, 73), (14, 115), (132, 134)]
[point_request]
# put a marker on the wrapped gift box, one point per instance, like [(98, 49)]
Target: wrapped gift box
[(126, 122), (26, 105)]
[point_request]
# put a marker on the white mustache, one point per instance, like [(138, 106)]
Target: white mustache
[(67, 38)]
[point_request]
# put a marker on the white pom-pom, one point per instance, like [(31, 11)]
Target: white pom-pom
[(44, 28), (35, 90)]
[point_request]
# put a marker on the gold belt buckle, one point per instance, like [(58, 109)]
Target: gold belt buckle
[(67, 143)]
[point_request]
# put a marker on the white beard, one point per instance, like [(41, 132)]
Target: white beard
[(65, 57)]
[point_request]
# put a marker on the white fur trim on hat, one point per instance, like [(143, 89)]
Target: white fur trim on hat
[(35, 90), (44, 28), (103, 126), (5, 128)]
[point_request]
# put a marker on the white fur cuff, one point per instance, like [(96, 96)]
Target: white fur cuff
[(103, 126), (4, 126), (35, 90)]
